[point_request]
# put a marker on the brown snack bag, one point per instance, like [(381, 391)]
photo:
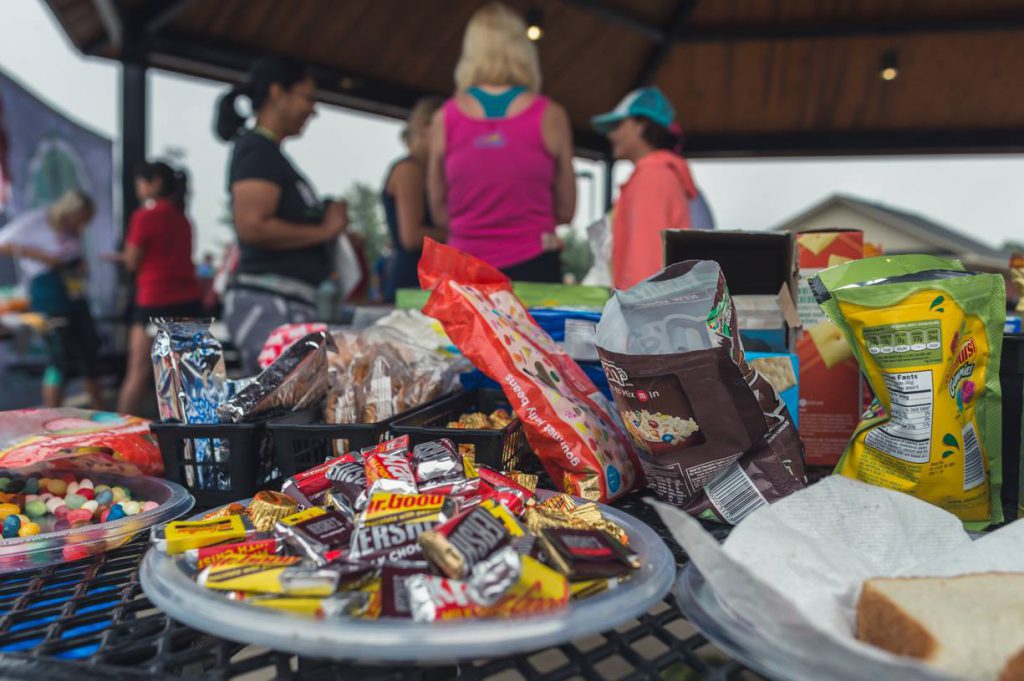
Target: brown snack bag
[(713, 435)]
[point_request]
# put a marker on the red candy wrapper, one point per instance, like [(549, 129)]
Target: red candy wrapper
[(388, 468), (569, 424), (309, 486)]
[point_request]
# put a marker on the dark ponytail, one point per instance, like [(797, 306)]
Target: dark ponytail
[(658, 136), (264, 72), (173, 182)]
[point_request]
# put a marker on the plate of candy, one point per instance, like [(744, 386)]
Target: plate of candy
[(399, 554), (59, 516)]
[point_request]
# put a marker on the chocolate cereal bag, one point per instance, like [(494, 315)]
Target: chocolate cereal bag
[(568, 423), (713, 435), (928, 336)]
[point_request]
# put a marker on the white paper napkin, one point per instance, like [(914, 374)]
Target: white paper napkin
[(794, 569)]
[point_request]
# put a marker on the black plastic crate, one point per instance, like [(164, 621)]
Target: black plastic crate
[(247, 465), (500, 449), (302, 441)]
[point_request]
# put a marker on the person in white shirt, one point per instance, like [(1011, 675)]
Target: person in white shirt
[(46, 244)]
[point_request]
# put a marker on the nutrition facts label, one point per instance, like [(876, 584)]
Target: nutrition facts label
[(911, 343), (907, 435)]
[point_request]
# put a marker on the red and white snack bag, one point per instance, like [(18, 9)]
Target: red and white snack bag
[(283, 337), (568, 423)]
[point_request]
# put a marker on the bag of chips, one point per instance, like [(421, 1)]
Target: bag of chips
[(568, 423), (928, 336), (713, 435)]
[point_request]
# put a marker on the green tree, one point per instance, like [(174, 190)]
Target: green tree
[(576, 255), (366, 219)]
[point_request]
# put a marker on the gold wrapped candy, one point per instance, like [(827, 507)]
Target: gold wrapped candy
[(553, 513), (267, 507), (231, 509)]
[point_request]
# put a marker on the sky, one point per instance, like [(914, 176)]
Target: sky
[(979, 195)]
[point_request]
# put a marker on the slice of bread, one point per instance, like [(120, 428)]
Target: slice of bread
[(971, 626)]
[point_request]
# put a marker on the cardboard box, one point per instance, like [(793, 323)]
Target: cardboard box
[(754, 264), (831, 397)]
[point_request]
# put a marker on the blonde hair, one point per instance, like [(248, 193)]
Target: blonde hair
[(420, 114), (496, 51), (71, 201)]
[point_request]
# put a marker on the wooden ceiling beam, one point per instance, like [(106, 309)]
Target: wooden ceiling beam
[(854, 143), (156, 14), (614, 16), (845, 29), (680, 18), (113, 23)]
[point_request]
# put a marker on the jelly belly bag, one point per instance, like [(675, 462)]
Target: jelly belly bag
[(568, 423), (713, 435), (928, 336)]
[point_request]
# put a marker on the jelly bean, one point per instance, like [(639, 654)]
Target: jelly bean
[(8, 509), (119, 494), (86, 493), (31, 497), (104, 515), (12, 524), (90, 506), (100, 488), (149, 506), (23, 518), (5, 482), (131, 507), (53, 503), (72, 487), (127, 492), (44, 496), (61, 524), (17, 484), (86, 483), (79, 514), (74, 500), (104, 497), (116, 512), (75, 552), (28, 530), (57, 487), (31, 486), (61, 511), (35, 508)]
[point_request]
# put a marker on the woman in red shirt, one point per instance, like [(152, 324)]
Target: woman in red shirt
[(158, 250)]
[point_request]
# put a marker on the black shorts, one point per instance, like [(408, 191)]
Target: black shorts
[(191, 309), (546, 268), (74, 345)]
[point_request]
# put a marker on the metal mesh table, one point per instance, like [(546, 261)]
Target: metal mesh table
[(90, 619)]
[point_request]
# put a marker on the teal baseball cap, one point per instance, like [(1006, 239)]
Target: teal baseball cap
[(648, 102)]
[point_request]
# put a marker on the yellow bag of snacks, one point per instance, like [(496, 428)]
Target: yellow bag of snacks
[(928, 336)]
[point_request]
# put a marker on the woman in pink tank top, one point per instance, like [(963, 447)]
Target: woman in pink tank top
[(500, 175)]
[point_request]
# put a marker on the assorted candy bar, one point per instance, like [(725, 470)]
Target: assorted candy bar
[(404, 532)]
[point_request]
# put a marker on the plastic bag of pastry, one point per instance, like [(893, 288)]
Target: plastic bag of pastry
[(714, 437), (928, 336), (569, 424), (296, 380)]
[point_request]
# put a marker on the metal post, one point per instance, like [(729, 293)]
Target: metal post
[(609, 166), (134, 125)]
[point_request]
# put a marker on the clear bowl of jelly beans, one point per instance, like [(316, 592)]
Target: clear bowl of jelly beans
[(59, 516)]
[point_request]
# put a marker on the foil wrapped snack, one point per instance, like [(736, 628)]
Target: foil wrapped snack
[(296, 380), (191, 382)]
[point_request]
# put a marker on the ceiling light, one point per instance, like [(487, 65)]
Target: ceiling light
[(890, 66), (535, 23)]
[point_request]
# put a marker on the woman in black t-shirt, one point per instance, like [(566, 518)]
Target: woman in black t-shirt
[(286, 235)]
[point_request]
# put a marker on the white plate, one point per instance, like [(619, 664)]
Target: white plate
[(170, 585), (816, 661)]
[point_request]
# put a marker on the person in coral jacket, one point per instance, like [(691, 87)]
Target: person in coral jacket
[(658, 194)]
